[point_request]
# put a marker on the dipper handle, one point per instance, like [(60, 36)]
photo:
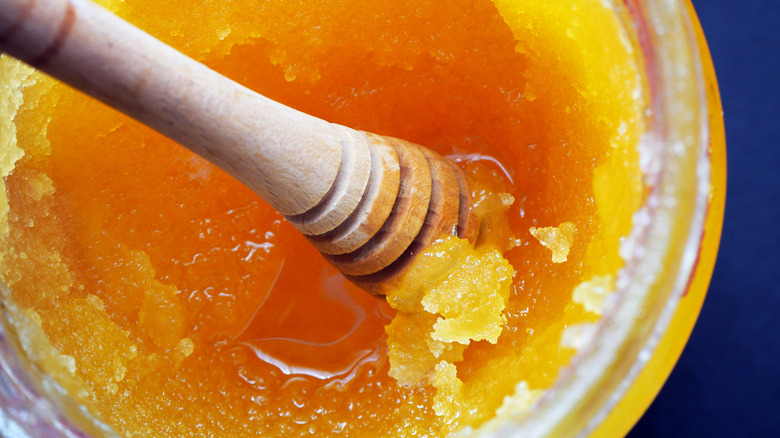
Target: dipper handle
[(287, 157), (362, 199)]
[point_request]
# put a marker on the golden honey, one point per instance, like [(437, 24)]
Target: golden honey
[(171, 301)]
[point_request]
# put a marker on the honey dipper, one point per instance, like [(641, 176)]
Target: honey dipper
[(368, 203)]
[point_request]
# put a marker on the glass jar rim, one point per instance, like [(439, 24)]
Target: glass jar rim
[(662, 251)]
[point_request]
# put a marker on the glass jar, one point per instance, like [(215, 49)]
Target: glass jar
[(614, 379), (669, 257)]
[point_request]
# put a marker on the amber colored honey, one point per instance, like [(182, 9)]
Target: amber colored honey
[(182, 305)]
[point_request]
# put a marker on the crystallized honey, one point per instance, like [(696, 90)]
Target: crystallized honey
[(171, 301)]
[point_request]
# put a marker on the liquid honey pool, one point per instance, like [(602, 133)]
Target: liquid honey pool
[(171, 301)]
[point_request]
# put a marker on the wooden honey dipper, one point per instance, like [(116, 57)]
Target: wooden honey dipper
[(368, 203)]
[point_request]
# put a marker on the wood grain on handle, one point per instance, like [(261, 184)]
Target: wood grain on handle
[(287, 157)]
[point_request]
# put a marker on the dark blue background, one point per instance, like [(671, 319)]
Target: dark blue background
[(727, 382)]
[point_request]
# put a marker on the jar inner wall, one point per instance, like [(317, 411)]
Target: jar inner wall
[(665, 244), (196, 293)]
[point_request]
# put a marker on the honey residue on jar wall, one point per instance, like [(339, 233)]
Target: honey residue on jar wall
[(171, 301)]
